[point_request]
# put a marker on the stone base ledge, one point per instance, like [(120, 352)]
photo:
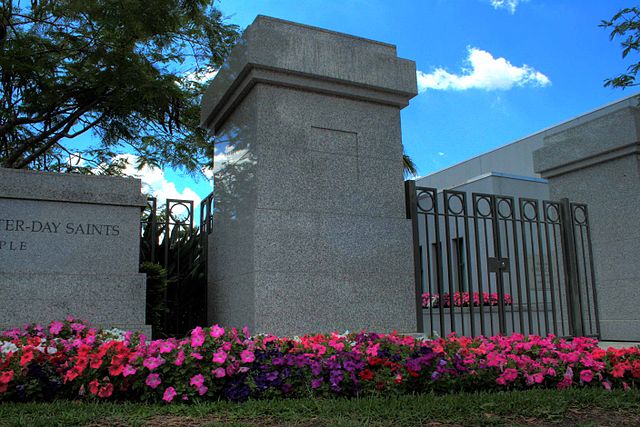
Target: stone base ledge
[(109, 299), (143, 329)]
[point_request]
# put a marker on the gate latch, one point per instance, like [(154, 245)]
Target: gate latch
[(498, 265)]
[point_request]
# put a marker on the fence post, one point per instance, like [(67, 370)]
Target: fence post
[(412, 214), (570, 259)]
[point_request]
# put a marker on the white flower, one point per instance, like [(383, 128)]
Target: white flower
[(8, 347)]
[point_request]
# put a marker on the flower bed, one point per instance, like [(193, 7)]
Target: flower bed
[(462, 299), (70, 360)]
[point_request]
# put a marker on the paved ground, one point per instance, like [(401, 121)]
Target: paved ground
[(617, 344)]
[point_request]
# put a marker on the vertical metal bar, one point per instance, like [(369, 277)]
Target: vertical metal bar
[(430, 262), (547, 222), (154, 230), (557, 250), (497, 251), (526, 264), (439, 272), (447, 233), (586, 278), (467, 242), (516, 254), (478, 261), (459, 277), (570, 267), (412, 214), (535, 280), (486, 251), (593, 273), (505, 220), (542, 272)]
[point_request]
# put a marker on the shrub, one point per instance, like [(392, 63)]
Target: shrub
[(71, 360)]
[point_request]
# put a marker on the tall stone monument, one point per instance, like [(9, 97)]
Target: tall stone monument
[(596, 160), (69, 245), (309, 230)]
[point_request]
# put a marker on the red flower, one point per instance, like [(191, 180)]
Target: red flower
[(6, 377), (105, 391), (26, 357), (94, 386), (619, 370), (366, 375), (374, 361)]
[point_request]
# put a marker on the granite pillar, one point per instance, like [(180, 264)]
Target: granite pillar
[(309, 230), (596, 161), (69, 245)]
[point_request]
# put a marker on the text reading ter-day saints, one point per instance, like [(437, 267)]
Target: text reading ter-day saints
[(58, 227)]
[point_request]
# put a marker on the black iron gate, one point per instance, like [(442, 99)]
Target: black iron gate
[(487, 264), (173, 253)]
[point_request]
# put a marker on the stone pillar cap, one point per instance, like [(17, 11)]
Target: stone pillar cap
[(73, 188), (284, 53)]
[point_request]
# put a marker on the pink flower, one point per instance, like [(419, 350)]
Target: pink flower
[(153, 380), (197, 381), (197, 356), (128, 370), (202, 390), (77, 327), (55, 327), (166, 347), (586, 375), (197, 337), (219, 373), (510, 374), (152, 363), (373, 350), (179, 359), (247, 356), (217, 331), (169, 394), (220, 356)]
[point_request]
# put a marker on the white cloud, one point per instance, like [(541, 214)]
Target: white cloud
[(201, 77), (510, 5), (485, 72), (155, 183)]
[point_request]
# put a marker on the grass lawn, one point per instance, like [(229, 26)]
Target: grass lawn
[(534, 407)]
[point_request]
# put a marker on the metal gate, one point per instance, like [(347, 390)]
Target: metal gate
[(177, 292), (487, 264)]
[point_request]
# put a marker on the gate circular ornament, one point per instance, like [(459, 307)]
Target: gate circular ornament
[(457, 207), (179, 212), (425, 201), (483, 209), (529, 210), (505, 208), (580, 214), (551, 213)]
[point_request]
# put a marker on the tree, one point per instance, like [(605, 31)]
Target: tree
[(124, 70), (408, 167), (625, 24)]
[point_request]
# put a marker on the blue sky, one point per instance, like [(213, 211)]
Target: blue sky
[(492, 71)]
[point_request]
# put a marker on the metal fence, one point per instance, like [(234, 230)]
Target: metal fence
[(487, 264)]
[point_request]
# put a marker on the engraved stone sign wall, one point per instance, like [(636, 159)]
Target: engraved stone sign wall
[(69, 245)]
